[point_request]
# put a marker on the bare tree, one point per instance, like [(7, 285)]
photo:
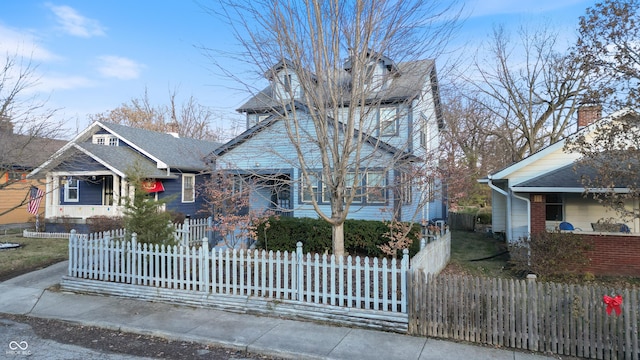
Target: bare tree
[(328, 113), (27, 127), (469, 150), (532, 98), (609, 48), (609, 162), (188, 119)]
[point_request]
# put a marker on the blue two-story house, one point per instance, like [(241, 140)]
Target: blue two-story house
[(88, 176), (401, 128)]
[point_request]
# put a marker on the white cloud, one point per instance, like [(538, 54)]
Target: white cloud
[(48, 84), (23, 44), (119, 67), (75, 24)]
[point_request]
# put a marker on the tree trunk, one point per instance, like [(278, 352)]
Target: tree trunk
[(337, 238)]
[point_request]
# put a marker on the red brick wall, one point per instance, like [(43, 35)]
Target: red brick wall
[(538, 213), (614, 255), (610, 254)]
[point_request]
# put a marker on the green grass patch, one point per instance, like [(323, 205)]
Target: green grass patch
[(32, 254), (476, 253)]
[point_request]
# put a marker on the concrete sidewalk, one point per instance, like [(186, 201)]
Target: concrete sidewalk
[(28, 295)]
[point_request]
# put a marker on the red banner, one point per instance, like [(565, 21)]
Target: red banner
[(152, 186)]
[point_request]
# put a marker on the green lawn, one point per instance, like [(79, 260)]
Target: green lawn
[(31, 255), (468, 247)]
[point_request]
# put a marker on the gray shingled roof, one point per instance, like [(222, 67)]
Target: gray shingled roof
[(124, 159), (179, 153), (413, 77), (564, 177), (25, 152), (569, 176)]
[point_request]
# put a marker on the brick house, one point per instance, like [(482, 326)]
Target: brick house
[(544, 192)]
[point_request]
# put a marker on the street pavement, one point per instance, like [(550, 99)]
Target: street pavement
[(32, 294)]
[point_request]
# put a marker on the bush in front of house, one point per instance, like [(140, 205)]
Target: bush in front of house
[(550, 254), (361, 237), (145, 216), (104, 223)]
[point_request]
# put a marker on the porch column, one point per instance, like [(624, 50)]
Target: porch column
[(116, 191), (48, 197), (124, 186), (538, 213), (55, 198)]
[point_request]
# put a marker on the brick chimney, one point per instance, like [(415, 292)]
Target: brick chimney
[(588, 113)]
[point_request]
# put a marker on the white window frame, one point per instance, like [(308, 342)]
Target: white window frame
[(348, 189), (307, 197), (382, 187), (106, 139), (406, 188), (388, 121), (69, 185), (192, 178)]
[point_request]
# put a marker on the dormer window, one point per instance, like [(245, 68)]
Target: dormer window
[(105, 139), (286, 82)]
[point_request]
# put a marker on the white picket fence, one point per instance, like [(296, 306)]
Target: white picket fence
[(351, 282), (191, 231)]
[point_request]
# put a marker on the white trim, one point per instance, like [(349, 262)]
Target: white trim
[(193, 187), (138, 148), (566, 190), (504, 173), (67, 198)]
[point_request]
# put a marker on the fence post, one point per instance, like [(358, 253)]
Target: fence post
[(299, 272), (210, 231), (532, 310), (186, 235), (204, 266), (404, 269), (73, 242), (134, 258)]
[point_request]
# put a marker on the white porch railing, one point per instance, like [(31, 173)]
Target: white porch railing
[(83, 211), (360, 283)]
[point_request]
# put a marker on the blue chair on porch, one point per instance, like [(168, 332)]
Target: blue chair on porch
[(566, 226)]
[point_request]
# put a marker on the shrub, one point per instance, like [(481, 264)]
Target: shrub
[(104, 223), (361, 237), (484, 218), (550, 254)]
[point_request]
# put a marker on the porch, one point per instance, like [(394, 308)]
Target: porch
[(81, 195)]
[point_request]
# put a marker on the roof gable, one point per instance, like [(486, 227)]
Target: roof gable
[(159, 150), (273, 119), (413, 77), (508, 171)]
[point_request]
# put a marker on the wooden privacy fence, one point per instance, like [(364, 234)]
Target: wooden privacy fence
[(360, 283), (547, 317), (460, 221)]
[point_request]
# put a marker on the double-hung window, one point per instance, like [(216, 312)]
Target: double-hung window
[(310, 189), (353, 185), (388, 119), (71, 190), (376, 187), (188, 188)]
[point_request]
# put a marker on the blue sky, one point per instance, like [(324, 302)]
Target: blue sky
[(94, 55)]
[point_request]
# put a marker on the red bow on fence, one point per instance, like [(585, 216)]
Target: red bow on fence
[(613, 303)]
